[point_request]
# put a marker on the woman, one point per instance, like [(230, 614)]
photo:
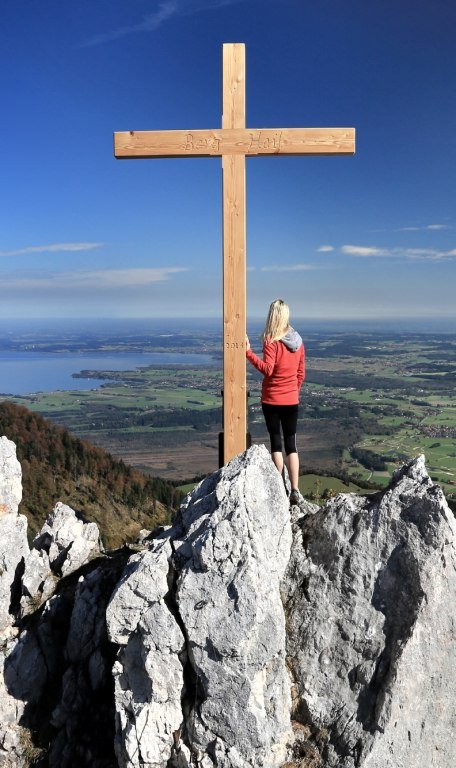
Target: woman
[(283, 368)]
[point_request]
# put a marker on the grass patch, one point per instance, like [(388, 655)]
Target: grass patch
[(312, 485)]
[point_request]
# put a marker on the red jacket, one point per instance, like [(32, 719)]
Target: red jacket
[(283, 370)]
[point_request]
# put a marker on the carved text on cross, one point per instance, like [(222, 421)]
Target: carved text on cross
[(234, 142), (247, 142)]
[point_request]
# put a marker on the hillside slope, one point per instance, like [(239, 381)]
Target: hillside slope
[(59, 467)]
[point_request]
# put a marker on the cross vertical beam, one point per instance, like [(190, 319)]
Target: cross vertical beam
[(233, 142), (234, 259)]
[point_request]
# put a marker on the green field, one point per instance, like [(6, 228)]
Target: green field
[(389, 397), (316, 486)]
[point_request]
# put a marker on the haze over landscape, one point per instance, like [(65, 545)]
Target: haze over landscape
[(83, 235)]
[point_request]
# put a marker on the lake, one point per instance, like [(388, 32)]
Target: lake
[(22, 373)]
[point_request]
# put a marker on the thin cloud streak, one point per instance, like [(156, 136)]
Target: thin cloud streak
[(54, 248), (425, 228), (152, 21), (325, 248), (90, 280), (431, 227), (414, 254)]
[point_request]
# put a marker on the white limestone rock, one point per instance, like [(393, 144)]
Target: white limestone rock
[(148, 672), (370, 593), (38, 581), (10, 478), (64, 544), (231, 555), (13, 531), (200, 676), (11, 711), (204, 601), (68, 541)]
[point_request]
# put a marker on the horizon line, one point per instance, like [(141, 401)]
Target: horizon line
[(446, 324)]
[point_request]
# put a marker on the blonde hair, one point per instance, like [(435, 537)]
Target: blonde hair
[(276, 321)]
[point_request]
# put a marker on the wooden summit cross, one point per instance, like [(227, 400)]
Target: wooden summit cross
[(233, 143)]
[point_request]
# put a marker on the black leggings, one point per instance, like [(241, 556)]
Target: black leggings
[(285, 416)]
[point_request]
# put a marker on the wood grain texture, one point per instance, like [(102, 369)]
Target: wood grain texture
[(235, 141), (233, 106), (234, 259), (234, 306)]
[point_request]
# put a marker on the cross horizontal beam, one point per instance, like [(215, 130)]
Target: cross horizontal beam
[(235, 141)]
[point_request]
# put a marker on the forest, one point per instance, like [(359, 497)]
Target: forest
[(56, 466)]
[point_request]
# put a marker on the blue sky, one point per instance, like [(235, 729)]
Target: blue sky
[(83, 234)]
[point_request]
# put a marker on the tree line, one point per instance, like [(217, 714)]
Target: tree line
[(58, 466)]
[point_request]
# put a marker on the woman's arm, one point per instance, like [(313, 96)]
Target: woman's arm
[(301, 366), (266, 365)]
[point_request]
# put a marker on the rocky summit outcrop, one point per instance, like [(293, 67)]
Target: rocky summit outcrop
[(370, 603), (13, 549), (13, 531), (240, 637), (200, 613), (32, 654)]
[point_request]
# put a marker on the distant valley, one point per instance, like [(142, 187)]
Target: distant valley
[(371, 398)]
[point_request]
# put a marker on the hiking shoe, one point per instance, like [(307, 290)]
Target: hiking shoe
[(296, 499)]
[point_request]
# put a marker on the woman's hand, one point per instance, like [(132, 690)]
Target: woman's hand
[(247, 343)]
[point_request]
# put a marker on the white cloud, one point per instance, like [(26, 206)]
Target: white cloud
[(325, 248), (90, 280), (54, 248), (414, 254), (363, 250), (290, 268)]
